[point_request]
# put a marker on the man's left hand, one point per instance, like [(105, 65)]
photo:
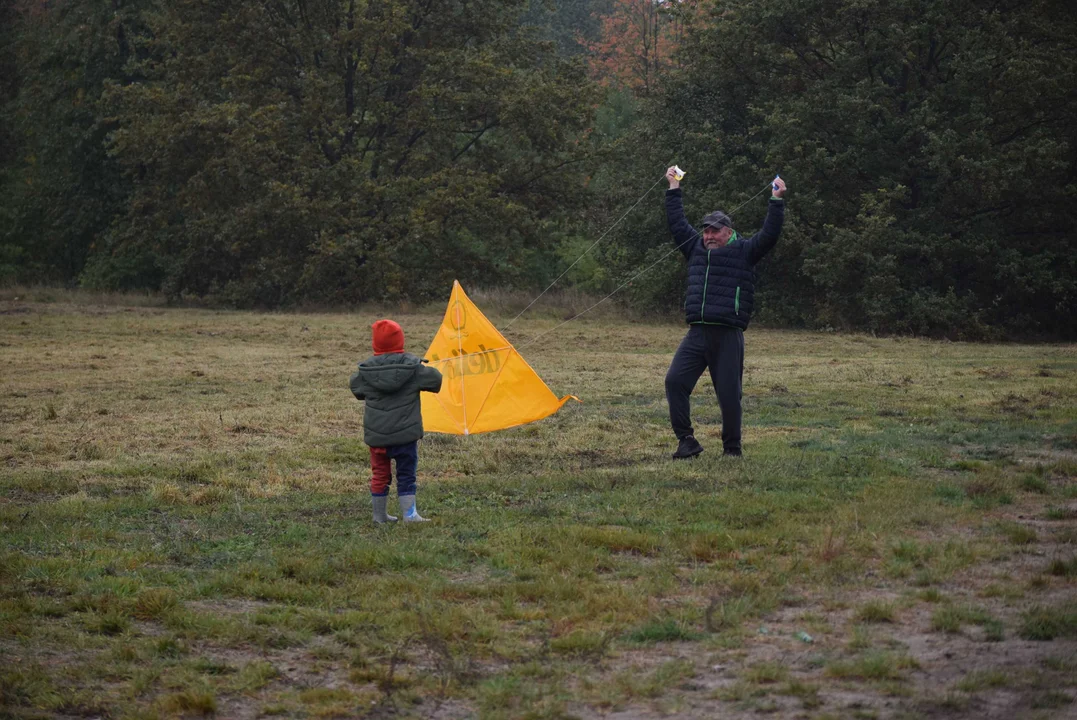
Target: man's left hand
[(780, 192)]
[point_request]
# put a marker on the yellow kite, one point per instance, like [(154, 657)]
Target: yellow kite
[(487, 384)]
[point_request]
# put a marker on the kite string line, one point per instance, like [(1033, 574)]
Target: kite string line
[(596, 242), (641, 272)]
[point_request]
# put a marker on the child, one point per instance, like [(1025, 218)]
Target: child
[(390, 383)]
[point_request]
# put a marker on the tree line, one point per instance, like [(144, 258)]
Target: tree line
[(262, 153)]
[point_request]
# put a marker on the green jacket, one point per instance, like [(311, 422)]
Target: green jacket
[(390, 385)]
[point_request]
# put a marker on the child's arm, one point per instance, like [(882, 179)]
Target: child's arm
[(357, 386), (429, 379)]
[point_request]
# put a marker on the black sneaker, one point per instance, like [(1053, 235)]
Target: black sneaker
[(731, 453), (687, 447)]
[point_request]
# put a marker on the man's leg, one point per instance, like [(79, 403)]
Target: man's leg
[(727, 371), (688, 364)]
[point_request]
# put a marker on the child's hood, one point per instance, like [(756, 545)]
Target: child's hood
[(389, 373)]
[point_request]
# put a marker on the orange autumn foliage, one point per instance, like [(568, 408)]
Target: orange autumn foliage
[(637, 44)]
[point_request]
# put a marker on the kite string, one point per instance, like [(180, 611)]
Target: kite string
[(641, 272), (596, 242)]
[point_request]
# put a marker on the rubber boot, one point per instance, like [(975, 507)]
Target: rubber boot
[(380, 516), (408, 509)]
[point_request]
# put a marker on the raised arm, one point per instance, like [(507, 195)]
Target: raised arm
[(764, 241), (683, 233)]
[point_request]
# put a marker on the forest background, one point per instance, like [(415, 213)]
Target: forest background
[(283, 153)]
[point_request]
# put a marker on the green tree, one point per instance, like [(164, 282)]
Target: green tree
[(569, 24), (10, 253), (60, 190), (9, 78), (930, 146), (344, 150)]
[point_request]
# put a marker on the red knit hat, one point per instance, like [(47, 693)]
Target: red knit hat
[(388, 337)]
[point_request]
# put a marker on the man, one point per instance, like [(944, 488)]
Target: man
[(718, 305)]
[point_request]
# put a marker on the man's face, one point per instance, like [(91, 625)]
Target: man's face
[(716, 237)]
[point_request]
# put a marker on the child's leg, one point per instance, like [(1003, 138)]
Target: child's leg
[(407, 460), (381, 476)]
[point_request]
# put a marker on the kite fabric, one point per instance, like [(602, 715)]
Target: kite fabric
[(487, 383)]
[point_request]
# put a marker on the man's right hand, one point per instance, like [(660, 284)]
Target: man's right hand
[(671, 176)]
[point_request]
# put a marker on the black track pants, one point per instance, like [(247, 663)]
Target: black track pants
[(721, 349)]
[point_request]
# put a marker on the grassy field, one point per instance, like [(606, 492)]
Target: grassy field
[(185, 517)]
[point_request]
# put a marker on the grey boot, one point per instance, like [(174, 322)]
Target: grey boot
[(408, 509), (380, 516)]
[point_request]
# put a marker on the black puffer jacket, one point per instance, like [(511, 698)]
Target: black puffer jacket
[(391, 384), (721, 283)]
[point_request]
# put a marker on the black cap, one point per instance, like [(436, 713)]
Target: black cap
[(717, 219)]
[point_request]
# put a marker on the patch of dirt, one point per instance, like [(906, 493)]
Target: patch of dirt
[(1004, 587), (325, 664)]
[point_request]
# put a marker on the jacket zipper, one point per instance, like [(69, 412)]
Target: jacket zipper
[(736, 302), (706, 279)]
